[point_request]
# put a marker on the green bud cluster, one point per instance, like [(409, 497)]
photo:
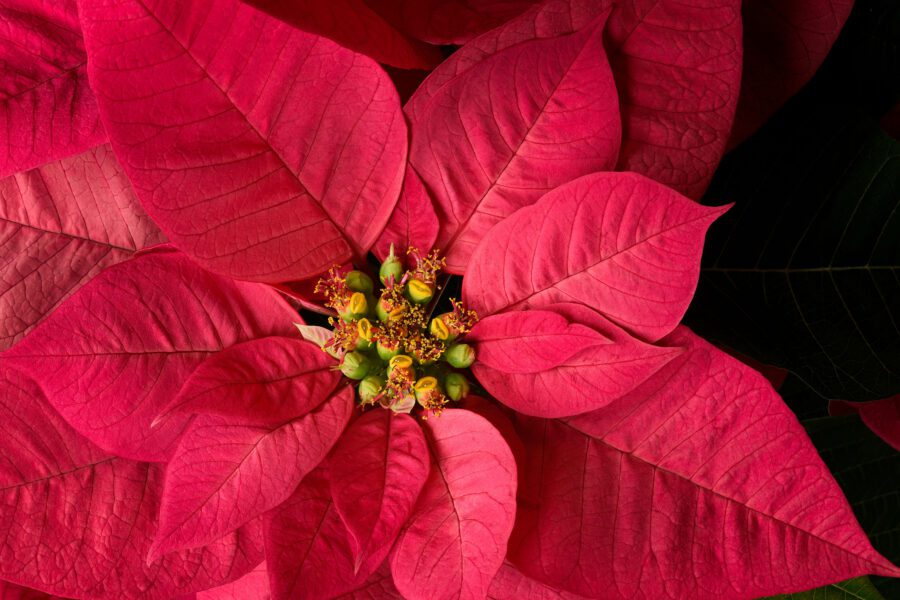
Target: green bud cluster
[(398, 357)]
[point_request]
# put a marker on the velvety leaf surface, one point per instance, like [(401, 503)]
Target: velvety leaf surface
[(700, 483), (482, 151), (784, 44), (252, 586), (47, 110), (618, 242), (511, 584), (11, 591), (379, 586), (76, 521), (456, 539), (819, 293), (223, 475), (859, 588), (376, 473), (309, 550), (266, 380), (286, 152), (413, 222), (500, 418), (118, 350), (678, 72), (540, 363), (449, 21), (61, 224), (355, 25), (865, 467), (882, 417)]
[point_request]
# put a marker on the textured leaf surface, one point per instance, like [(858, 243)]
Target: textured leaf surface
[(618, 242), (76, 521), (252, 586), (309, 549), (47, 110), (700, 483), (511, 584), (118, 350), (819, 293), (376, 473), (865, 467), (223, 475), (286, 152), (678, 72), (784, 45), (483, 152), (547, 363), (456, 539), (266, 380), (413, 222), (61, 224), (449, 21), (379, 586), (355, 25), (859, 588)]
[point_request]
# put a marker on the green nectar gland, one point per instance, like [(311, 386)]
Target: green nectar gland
[(393, 353)]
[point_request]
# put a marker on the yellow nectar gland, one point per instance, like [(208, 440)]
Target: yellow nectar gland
[(398, 360)]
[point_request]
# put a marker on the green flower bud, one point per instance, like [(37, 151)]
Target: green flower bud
[(460, 356), (356, 307), (355, 365), (457, 386), (363, 334), (359, 282), (387, 349), (419, 292), (425, 388), (440, 330), (370, 387), (390, 268)]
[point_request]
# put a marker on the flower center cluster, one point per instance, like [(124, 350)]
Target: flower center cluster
[(387, 340)]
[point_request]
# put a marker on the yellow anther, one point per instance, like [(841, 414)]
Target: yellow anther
[(419, 291), (426, 384), (401, 361), (397, 313)]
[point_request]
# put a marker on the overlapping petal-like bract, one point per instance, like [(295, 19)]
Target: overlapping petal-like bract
[(560, 361), (449, 21), (118, 350), (456, 539), (618, 242), (881, 416), (61, 224), (47, 109), (482, 152), (224, 475), (270, 157), (700, 483), (77, 521)]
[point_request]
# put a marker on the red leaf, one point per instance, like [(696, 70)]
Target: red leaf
[(511, 584), (678, 71), (618, 242), (455, 540), (47, 109), (784, 45), (376, 473), (413, 222), (76, 521), (449, 21), (379, 586), (60, 225), (270, 157), (700, 483), (881, 416), (483, 151), (121, 347), (498, 417), (308, 547), (252, 586), (266, 380), (354, 25), (580, 372), (11, 591), (223, 475), (530, 341)]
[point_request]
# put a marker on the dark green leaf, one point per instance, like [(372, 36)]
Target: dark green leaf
[(852, 589)]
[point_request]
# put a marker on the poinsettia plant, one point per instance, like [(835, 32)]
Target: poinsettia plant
[(234, 364)]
